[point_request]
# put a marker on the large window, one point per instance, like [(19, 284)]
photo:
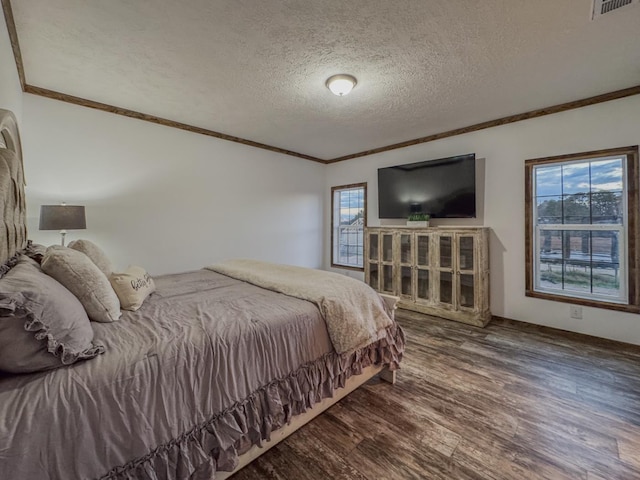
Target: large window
[(349, 217), (582, 228)]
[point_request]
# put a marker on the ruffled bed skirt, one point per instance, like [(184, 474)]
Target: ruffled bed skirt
[(216, 444)]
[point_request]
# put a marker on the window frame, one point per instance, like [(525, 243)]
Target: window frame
[(631, 230), (351, 186)]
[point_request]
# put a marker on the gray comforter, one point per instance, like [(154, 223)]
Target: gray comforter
[(207, 367)]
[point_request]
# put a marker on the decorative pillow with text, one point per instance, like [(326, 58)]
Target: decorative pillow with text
[(132, 287)]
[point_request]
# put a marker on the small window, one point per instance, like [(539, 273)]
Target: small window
[(582, 228), (348, 219)]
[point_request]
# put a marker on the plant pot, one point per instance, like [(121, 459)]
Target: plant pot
[(417, 223)]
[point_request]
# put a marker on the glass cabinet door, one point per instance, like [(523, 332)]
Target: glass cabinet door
[(422, 270), (446, 287), (445, 248), (465, 252), (467, 290), (372, 265), (406, 249), (387, 279), (423, 292), (422, 242), (466, 279), (446, 281), (387, 268), (405, 282), (387, 247), (374, 276), (373, 247)]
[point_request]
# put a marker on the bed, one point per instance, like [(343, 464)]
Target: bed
[(207, 375)]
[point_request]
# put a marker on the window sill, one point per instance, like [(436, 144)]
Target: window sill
[(347, 267), (621, 307)]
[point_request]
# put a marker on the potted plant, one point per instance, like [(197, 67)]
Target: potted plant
[(418, 220)]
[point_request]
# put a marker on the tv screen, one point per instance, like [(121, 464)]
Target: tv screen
[(444, 188)]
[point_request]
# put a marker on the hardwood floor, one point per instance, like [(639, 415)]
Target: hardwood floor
[(510, 401)]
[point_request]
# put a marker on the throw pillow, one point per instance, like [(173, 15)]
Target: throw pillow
[(42, 325), (75, 271), (35, 251), (132, 287), (95, 253)]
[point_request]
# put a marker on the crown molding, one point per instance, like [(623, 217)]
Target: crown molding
[(541, 112), (43, 92), (13, 38)]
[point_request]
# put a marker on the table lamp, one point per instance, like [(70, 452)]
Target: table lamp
[(62, 217)]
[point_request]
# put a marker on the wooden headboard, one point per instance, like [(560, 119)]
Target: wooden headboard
[(13, 210)]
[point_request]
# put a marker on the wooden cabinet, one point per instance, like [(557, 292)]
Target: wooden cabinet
[(439, 271)]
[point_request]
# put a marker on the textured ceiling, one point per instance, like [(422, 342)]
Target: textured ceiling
[(256, 69)]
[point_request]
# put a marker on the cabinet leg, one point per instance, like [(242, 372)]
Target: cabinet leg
[(388, 376)]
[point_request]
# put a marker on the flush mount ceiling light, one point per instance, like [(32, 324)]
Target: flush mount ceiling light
[(341, 84)]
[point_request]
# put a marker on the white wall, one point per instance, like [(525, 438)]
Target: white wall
[(10, 91), (505, 149), (167, 199)]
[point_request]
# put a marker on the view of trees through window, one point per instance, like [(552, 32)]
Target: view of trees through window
[(580, 216)]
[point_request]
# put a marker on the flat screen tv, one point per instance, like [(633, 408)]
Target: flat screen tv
[(443, 188)]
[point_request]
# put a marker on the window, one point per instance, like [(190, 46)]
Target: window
[(582, 228), (348, 219)]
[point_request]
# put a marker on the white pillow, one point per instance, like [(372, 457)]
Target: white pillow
[(132, 287), (95, 253), (83, 278)]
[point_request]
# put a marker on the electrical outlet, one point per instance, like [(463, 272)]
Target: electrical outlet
[(575, 311)]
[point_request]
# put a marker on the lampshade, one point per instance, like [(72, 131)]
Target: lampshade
[(62, 217), (341, 84)]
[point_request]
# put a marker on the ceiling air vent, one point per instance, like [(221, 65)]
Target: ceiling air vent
[(601, 7)]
